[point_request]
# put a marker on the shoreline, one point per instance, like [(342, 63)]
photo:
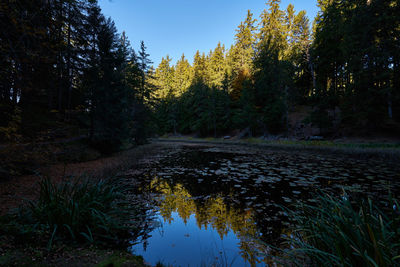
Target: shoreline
[(391, 153)]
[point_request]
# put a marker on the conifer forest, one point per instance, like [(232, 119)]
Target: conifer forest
[(284, 146)]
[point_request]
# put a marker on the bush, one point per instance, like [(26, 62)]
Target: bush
[(336, 232), (80, 210)]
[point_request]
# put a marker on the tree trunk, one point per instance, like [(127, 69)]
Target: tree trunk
[(69, 62), (310, 62)]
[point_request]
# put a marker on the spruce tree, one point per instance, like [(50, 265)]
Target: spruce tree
[(216, 66), (199, 67), (243, 50), (183, 75)]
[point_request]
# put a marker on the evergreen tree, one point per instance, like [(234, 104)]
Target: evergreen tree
[(246, 114), (108, 94), (272, 30), (59, 61), (216, 66), (355, 59), (243, 50), (144, 64), (299, 54), (164, 75), (272, 80), (199, 67), (272, 75), (183, 75)]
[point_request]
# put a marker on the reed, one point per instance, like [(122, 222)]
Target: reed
[(337, 232)]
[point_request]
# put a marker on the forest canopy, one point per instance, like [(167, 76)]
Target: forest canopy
[(343, 68), (63, 63)]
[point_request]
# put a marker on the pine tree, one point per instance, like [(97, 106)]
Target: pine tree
[(246, 114), (272, 75), (164, 76), (199, 67), (243, 50), (298, 53), (109, 83), (216, 66), (143, 95), (272, 28), (183, 76), (144, 64)]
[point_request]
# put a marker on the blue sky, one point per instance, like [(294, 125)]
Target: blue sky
[(174, 27)]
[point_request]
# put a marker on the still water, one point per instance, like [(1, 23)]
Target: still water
[(223, 206), (182, 242)]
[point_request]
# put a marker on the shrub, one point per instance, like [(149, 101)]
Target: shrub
[(336, 232)]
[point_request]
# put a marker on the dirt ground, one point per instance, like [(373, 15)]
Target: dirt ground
[(17, 189)]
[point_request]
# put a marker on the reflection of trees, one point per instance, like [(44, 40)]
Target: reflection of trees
[(213, 211), (218, 215), (184, 203), (175, 199)]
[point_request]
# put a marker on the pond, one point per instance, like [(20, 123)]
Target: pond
[(223, 206)]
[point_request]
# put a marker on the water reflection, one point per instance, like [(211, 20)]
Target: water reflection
[(202, 229), (219, 206)]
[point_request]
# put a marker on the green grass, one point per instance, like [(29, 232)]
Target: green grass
[(80, 210), (336, 232)]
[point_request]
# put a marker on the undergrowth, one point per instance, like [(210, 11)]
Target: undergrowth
[(78, 210)]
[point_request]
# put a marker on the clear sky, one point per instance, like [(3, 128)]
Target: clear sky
[(174, 27)]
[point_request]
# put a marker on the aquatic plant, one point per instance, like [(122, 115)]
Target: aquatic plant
[(337, 232)]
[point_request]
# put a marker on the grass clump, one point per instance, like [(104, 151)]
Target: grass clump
[(79, 210), (336, 232)]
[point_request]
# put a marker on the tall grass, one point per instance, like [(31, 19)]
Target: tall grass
[(81, 210), (336, 232)]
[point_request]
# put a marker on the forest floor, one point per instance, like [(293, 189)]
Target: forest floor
[(15, 190)]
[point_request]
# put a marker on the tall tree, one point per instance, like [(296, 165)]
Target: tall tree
[(243, 50), (355, 58), (183, 75), (199, 67), (272, 28), (144, 64), (216, 66), (164, 76)]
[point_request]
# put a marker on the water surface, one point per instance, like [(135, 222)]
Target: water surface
[(221, 206)]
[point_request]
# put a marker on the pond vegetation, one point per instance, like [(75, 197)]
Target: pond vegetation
[(246, 192), (340, 232)]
